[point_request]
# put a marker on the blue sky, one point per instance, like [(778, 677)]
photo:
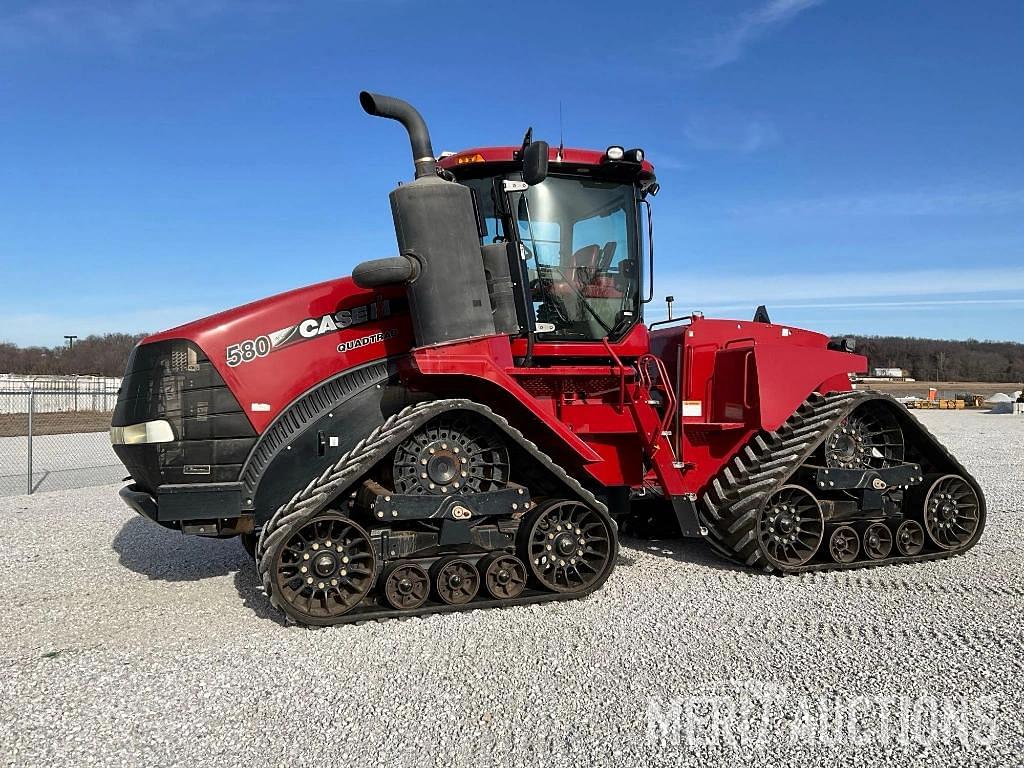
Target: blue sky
[(856, 166)]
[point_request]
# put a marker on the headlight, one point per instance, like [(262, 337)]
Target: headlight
[(158, 431)]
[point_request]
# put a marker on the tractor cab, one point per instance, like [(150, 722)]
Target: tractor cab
[(577, 227)]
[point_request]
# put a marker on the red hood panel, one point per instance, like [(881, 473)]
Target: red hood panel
[(271, 351)]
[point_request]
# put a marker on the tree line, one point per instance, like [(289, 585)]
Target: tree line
[(924, 359), (942, 360), (104, 355)]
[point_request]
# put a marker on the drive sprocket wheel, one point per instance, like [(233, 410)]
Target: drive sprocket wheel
[(951, 512), (877, 541), (568, 546), (910, 538), (869, 438), (456, 581), (844, 544), (451, 454), (323, 569), (504, 575), (406, 586), (790, 526)]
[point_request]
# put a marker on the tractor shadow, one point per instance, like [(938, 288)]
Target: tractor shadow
[(164, 555), (682, 550)]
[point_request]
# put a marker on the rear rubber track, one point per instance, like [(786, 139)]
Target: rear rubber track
[(730, 506)]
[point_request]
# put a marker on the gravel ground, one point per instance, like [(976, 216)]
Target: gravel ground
[(126, 644)]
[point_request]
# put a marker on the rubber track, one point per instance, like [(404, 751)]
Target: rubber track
[(333, 482), (730, 505)]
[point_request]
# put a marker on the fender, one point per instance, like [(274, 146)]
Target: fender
[(314, 430)]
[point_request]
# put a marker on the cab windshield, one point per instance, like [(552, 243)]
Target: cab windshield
[(581, 243), (581, 252)]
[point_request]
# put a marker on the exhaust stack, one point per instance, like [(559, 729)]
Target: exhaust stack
[(439, 259), (419, 137)]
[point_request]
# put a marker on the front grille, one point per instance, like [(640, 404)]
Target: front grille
[(175, 381)]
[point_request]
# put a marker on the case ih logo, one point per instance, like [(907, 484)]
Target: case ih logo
[(314, 327)]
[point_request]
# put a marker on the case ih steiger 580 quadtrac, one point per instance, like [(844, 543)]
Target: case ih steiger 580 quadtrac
[(462, 426)]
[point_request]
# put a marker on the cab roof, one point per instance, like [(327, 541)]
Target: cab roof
[(564, 158)]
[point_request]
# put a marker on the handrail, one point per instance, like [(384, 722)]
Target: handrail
[(671, 401), (622, 372)]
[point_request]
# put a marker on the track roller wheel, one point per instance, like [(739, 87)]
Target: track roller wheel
[(504, 575), (405, 585), (877, 541), (455, 580), (844, 544), (910, 538), (322, 569), (568, 546), (790, 526), (951, 512)]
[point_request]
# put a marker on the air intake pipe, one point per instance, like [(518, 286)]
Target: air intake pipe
[(405, 113), (439, 257)]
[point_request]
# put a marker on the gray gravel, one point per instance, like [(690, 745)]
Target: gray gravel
[(126, 644)]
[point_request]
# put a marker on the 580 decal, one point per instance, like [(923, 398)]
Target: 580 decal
[(248, 350), (314, 327)]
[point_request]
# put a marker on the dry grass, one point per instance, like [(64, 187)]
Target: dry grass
[(68, 422)]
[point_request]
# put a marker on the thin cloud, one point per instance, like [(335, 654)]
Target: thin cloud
[(839, 288), (112, 23), (725, 130), (940, 202), (730, 45)]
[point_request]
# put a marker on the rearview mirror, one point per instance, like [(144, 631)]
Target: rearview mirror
[(535, 162)]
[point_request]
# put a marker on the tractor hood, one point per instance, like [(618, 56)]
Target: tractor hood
[(271, 351)]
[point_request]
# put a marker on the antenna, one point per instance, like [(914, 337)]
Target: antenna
[(561, 139)]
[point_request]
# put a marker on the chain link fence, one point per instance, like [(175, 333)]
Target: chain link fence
[(54, 434)]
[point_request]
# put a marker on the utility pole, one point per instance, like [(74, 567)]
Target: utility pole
[(71, 341)]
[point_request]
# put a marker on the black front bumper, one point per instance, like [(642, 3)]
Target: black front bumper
[(207, 509), (140, 501)]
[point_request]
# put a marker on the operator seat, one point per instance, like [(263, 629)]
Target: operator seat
[(580, 270)]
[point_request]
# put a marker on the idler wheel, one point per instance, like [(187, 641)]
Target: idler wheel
[(323, 569), (567, 545), (790, 526), (952, 513)]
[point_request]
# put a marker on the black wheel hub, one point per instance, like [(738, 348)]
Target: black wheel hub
[(451, 454), (325, 564)]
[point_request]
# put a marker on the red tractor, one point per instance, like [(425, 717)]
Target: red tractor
[(466, 424)]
